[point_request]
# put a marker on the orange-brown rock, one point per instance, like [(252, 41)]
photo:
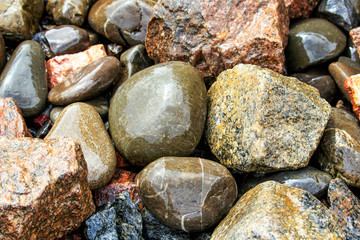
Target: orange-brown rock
[(300, 8), (44, 193), (352, 86), (355, 37)]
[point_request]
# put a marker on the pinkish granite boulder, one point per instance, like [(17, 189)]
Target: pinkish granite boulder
[(300, 8)]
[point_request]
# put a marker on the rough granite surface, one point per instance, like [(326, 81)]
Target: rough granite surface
[(300, 8), (355, 37), (352, 86)]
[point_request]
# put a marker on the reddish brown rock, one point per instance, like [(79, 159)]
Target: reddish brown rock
[(12, 123), (355, 37), (217, 35), (352, 86), (44, 193), (300, 8)]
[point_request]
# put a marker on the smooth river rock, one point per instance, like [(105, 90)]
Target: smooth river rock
[(160, 111), (275, 211), (24, 78), (259, 120), (189, 194), (82, 123), (72, 12)]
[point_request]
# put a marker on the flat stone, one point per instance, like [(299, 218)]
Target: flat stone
[(82, 123), (12, 123), (44, 192), (313, 41), (87, 82), (72, 12), (346, 207), (300, 8), (259, 120), (24, 78), (160, 111), (2, 53), (121, 21), (216, 35), (189, 194), (275, 211)]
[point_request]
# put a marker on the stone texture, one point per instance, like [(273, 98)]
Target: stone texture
[(72, 12), (12, 123), (344, 120), (44, 192), (352, 85), (346, 207), (24, 78), (355, 36), (81, 122), (118, 220), (58, 68), (300, 9), (216, 35), (189, 194), (160, 111), (121, 21), (350, 62), (2, 53), (275, 211), (259, 120), (19, 19)]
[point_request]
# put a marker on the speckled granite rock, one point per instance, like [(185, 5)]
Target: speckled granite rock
[(275, 211), (346, 207), (160, 111), (81, 122), (12, 123), (44, 192), (118, 220), (189, 194), (216, 35), (355, 36), (72, 12), (300, 8), (352, 85), (259, 120)]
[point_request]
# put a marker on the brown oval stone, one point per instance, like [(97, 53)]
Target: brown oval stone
[(190, 194), (68, 11)]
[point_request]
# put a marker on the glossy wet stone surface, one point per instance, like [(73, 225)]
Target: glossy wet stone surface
[(121, 21), (86, 82), (346, 207), (82, 123), (344, 120), (2, 53), (24, 78), (350, 62), (160, 111), (313, 41), (189, 194), (300, 8), (72, 12), (44, 192), (262, 121), (275, 211)]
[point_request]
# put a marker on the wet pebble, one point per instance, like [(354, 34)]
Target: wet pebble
[(71, 12)]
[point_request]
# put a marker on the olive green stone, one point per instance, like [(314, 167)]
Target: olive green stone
[(350, 62), (189, 194), (160, 111), (81, 122), (24, 78), (2, 53), (72, 12), (313, 41)]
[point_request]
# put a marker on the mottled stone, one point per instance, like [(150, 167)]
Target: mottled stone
[(352, 86), (259, 120), (160, 111), (355, 36), (118, 220), (81, 122), (216, 35), (44, 192), (87, 82), (300, 8), (275, 211), (24, 78), (313, 41), (121, 21), (71, 12), (19, 19), (346, 207), (189, 194), (2, 53), (309, 179)]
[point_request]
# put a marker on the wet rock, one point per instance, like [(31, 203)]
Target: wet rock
[(350, 62), (24, 78), (19, 19), (340, 12), (346, 207), (58, 68), (121, 21), (44, 191), (352, 87), (355, 36), (313, 41), (160, 111), (351, 51), (259, 120), (118, 220), (45, 129), (2, 53), (12, 123), (309, 179), (189, 194), (302, 8), (356, 4), (71, 12), (87, 82), (61, 40), (114, 49), (344, 120), (82, 123), (261, 214), (216, 35)]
